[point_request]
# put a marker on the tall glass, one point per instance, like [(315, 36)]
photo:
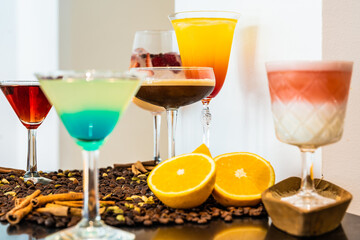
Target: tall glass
[(308, 100), (31, 106), (89, 105), (205, 39), (174, 87), (154, 48)]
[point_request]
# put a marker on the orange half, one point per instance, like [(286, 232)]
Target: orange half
[(241, 177), (184, 181)]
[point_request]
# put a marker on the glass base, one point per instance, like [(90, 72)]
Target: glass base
[(308, 200), (157, 160), (36, 178), (91, 231)]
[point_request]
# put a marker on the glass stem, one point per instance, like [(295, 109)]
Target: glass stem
[(157, 125), (206, 120), (90, 185), (307, 179), (31, 168), (171, 122)]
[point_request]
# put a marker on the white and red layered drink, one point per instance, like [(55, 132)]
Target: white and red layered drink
[(309, 100)]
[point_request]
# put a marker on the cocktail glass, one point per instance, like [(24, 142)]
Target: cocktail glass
[(31, 106), (172, 88), (308, 100), (90, 104), (154, 48), (205, 39)]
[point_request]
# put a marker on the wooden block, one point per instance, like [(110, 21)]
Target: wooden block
[(303, 222)]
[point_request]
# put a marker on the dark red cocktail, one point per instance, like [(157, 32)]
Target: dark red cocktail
[(31, 106), (28, 102)]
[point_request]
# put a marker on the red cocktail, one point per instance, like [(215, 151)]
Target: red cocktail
[(31, 106)]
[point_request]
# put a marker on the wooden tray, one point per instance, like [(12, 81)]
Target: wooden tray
[(302, 222)]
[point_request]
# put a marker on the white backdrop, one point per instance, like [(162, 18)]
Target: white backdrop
[(28, 43), (242, 120), (341, 40)]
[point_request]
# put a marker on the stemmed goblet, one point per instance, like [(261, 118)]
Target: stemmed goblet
[(31, 106), (154, 48), (89, 105), (308, 100), (172, 88), (205, 39)]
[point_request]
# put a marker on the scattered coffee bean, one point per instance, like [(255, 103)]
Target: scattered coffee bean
[(228, 218), (179, 221), (147, 222), (136, 204)]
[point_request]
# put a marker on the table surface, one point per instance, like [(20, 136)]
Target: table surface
[(244, 227)]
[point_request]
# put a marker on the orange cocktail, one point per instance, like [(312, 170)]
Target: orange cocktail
[(205, 39), (206, 42)]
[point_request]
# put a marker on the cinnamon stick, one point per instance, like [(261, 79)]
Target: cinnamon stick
[(135, 170), (54, 209), (18, 201), (76, 212), (39, 201), (9, 170), (128, 165), (140, 167), (81, 203), (15, 215), (69, 203)]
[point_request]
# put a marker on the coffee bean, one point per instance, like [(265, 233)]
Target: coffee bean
[(228, 218), (147, 222), (116, 185), (49, 222), (179, 221), (202, 221), (164, 220)]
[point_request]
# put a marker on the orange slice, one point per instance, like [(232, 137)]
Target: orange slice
[(241, 177), (203, 149), (184, 181)]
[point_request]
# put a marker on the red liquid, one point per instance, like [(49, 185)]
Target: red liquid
[(29, 104), (309, 86)]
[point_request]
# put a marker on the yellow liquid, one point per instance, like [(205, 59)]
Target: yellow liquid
[(206, 42)]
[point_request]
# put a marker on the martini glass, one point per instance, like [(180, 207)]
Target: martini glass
[(174, 87), (205, 39), (31, 106), (154, 48), (308, 100), (90, 104)]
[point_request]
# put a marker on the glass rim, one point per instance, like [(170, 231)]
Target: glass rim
[(156, 31), (87, 75), (204, 14), (30, 82), (303, 65), (171, 68)]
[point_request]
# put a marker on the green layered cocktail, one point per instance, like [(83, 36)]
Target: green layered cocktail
[(90, 104), (90, 109)]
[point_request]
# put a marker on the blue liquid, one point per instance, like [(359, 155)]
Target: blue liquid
[(90, 127)]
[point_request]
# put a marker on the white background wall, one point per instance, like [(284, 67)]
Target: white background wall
[(99, 34), (341, 40), (242, 120), (28, 43)]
